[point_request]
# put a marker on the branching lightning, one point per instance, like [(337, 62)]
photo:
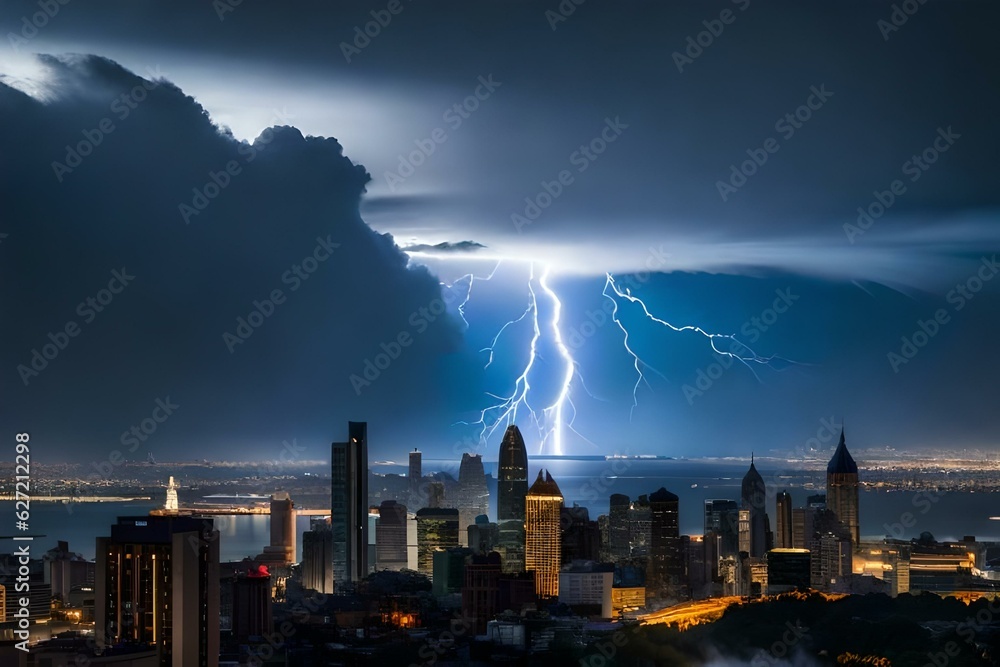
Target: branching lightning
[(541, 393), (739, 351)]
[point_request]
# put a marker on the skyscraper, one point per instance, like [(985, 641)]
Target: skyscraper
[(783, 505), (842, 490), (415, 471), (281, 550), (665, 569), (512, 486), (581, 537), (753, 497), (171, 504), (722, 521), (252, 605), (473, 494), (317, 556), (638, 527), (157, 580), (542, 547), (618, 538), (390, 536), (437, 530), (349, 505)]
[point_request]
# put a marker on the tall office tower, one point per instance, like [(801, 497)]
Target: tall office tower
[(158, 584), (252, 605), (317, 556), (415, 471), (390, 536), (473, 495), (512, 486), (437, 530), (665, 568), (171, 504), (282, 548), (802, 527), (604, 529), (581, 538), (722, 520), (831, 549), (753, 496), (349, 505), (542, 547), (484, 536), (638, 528), (435, 494), (842, 489), (744, 531), (783, 505), (618, 527)]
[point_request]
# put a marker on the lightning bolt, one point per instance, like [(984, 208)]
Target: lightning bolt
[(550, 419), (739, 351)]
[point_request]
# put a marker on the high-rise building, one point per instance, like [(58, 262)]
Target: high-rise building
[(744, 528), (753, 496), (437, 530), (480, 592), (721, 533), (638, 527), (252, 605), (415, 471), (390, 536), (282, 548), (783, 506), (787, 570), (512, 487), (619, 544), (473, 494), (435, 495), (842, 489), (317, 556), (484, 536), (349, 505), (542, 546), (665, 569), (581, 538), (158, 585), (832, 552), (802, 526)]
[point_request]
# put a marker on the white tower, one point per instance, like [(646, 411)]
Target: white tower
[(171, 504)]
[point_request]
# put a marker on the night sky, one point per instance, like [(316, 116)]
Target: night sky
[(185, 165)]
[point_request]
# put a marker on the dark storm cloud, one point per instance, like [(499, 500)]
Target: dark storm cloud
[(694, 111), (445, 247), (154, 256)]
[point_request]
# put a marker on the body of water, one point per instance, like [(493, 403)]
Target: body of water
[(590, 483)]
